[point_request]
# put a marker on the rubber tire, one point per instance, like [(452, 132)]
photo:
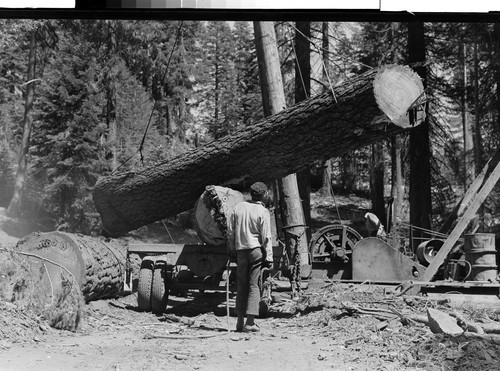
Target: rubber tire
[(159, 292), (145, 284)]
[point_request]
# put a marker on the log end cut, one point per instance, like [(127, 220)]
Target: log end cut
[(212, 211), (397, 88)]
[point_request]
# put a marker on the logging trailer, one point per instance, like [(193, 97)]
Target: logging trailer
[(178, 268)]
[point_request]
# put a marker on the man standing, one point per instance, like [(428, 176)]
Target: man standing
[(249, 233)]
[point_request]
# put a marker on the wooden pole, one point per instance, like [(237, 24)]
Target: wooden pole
[(484, 185), (292, 213)]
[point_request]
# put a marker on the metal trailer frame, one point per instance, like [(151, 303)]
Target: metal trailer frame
[(209, 267)]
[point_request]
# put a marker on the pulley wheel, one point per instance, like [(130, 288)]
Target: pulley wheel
[(333, 242), (427, 250)]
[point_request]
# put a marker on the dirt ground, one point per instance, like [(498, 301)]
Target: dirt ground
[(331, 327), (312, 334)]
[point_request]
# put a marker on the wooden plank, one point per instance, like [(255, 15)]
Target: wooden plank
[(154, 248), (169, 248), (467, 197), (492, 169)]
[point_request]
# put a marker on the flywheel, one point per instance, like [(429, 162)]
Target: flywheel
[(334, 242)]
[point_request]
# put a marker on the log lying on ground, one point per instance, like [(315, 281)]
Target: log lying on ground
[(363, 111), (54, 273), (97, 267)]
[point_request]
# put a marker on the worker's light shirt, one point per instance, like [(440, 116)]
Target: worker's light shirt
[(250, 227)]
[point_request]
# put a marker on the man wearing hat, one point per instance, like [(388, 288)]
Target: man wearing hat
[(249, 233)]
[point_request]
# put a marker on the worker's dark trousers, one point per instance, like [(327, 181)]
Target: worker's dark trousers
[(248, 294)]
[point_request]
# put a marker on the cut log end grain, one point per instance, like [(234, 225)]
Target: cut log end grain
[(61, 271), (212, 211), (396, 88)]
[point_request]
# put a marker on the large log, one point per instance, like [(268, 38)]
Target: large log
[(52, 274), (96, 267), (365, 110)]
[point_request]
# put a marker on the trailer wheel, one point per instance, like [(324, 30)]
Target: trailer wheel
[(159, 292), (145, 284)]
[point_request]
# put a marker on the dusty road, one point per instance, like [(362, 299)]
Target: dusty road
[(114, 336), (192, 335)]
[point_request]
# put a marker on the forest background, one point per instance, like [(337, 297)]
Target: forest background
[(102, 96)]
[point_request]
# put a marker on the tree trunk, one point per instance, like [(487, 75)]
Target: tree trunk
[(377, 182), (170, 122), (217, 124), (420, 167), (478, 139), (289, 141), (14, 208), (469, 172), (302, 92), (497, 68), (112, 124), (326, 189), (397, 181), (349, 175), (291, 207)]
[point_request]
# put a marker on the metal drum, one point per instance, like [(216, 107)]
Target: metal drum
[(480, 252)]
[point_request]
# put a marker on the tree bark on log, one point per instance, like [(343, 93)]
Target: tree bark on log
[(319, 128), (96, 267)]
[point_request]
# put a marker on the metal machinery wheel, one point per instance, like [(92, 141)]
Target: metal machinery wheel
[(333, 242), (160, 287), (145, 283), (427, 250)]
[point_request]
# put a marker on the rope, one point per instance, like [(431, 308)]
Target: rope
[(298, 64), (162, 82), (335, 200), (43, 262), (171, 238), (319, 50), (41, 258), (155, 103)]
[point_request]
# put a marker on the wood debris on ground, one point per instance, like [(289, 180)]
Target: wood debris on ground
[(357, 316)]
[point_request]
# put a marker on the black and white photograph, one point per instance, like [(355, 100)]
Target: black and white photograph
[(221, 185)]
